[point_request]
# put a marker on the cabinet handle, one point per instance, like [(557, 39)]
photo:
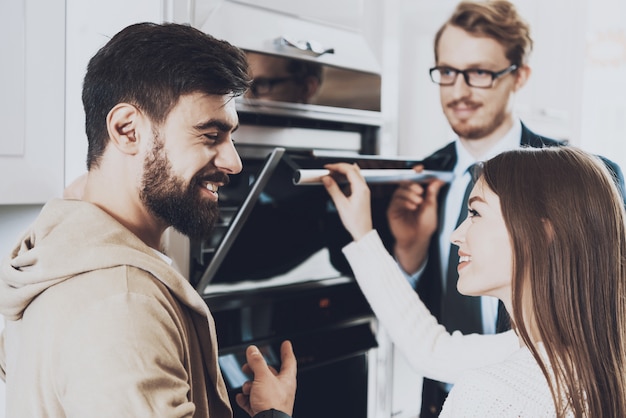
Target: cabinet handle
[(312, 48)]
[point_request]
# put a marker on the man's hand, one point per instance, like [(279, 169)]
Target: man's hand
[(269, 388), (412, 216)]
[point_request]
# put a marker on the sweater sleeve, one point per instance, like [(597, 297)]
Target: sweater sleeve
[(426, 344)]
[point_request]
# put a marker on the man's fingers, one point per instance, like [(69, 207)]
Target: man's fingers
[(288, 359), (413, 194), (244, 403), (433, 191), (256, 362), (246, 387), (246, 369)]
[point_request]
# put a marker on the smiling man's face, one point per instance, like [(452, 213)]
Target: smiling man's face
[(192, 156)]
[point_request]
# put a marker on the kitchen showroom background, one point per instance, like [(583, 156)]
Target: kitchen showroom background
[(571, 93)]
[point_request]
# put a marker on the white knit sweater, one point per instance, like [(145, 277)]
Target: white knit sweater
[(513, 388), (493, 377)]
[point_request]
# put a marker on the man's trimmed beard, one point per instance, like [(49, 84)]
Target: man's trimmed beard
[(470, 132), (181, 206)]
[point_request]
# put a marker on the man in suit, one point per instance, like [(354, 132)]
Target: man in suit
[(481, 56)]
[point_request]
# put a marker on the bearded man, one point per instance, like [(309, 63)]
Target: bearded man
[(98, 323)]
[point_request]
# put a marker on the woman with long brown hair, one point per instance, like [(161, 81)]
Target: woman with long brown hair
[(546, 235)]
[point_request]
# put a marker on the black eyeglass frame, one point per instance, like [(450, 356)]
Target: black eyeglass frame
[(494, 75)]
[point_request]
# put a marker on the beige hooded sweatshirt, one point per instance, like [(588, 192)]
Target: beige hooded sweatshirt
[(98, 325)]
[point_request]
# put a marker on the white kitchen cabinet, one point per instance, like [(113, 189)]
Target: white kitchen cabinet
[(275, 27), (32, 82), (90, 24), (346, 13)]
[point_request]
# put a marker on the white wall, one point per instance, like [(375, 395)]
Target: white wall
[(603, 106), (90, 24)]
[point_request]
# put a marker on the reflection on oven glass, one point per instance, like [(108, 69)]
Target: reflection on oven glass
[(286, 79)]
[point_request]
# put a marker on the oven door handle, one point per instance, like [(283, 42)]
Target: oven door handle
[(312, 48)]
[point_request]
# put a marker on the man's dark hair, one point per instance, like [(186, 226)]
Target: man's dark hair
[(151, 66), (302, 69)]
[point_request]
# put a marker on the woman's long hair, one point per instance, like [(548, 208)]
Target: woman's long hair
[(565, 217)]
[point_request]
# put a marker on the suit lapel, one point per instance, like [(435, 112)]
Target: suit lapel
[(529, 138), (443, 159)]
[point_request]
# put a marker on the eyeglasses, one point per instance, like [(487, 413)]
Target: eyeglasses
[(262, 86), (474, 77)]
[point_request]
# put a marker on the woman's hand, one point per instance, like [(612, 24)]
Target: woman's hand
[(355, 207)]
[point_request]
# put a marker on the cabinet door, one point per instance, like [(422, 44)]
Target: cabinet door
[(346, 13), (32, 82)]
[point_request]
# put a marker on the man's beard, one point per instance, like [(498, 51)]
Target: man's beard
[(472, 131), (180, 205)]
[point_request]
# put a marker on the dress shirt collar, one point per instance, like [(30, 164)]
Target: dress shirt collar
[(508, 142)]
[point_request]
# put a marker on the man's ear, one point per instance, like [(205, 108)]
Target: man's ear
[(122, 123), (522, 76)]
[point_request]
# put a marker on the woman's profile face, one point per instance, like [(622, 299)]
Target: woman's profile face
[(485, 267)]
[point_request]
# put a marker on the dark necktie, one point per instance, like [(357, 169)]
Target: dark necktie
[(459, 312)]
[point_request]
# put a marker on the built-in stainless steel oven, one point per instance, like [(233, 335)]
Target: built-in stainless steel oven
[(273, 269)]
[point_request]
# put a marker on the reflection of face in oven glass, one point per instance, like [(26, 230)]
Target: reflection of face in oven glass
[(283, 79)]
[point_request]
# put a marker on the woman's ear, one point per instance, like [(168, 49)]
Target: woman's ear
[(122, 123)]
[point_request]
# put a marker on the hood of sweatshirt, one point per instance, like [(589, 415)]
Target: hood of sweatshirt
[(70, 237)]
